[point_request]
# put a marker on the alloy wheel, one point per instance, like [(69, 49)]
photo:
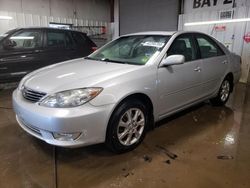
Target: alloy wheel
[(225, 90), (131, 126)]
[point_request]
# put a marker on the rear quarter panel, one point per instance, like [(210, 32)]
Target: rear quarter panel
[(235, 66)]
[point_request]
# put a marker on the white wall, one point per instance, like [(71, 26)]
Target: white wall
[(28, 13), (84, 9), (234, 33), (115, 24)]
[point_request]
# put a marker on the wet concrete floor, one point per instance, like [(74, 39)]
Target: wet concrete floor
[(212, 145)]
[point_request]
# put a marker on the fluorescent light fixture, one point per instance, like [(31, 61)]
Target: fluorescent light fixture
[(217, 22), (6, 18)]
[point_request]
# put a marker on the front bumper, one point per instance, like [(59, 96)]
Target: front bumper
[(42, 122)]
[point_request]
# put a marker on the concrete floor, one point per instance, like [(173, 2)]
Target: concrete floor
[(197, 136)]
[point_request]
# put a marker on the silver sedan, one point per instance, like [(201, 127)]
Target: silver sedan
[(117, 93)]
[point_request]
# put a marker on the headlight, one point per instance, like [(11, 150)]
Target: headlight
[(20, 86), (70, 98)]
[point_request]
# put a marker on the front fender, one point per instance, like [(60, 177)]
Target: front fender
[(115, 90)]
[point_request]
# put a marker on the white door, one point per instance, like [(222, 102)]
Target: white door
[(180, 85), (214, 64)]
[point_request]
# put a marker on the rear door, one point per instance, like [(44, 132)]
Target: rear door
[(20, 53), (214, 64), (58, 46)]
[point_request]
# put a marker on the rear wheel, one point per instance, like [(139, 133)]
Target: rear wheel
[(223, 94), (127, 126)]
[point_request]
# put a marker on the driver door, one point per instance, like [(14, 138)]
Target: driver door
[(180, 85), (20, 54)]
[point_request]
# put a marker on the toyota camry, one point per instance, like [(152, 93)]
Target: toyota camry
[(115, 95)]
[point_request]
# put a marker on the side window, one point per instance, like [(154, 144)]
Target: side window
[(59, 40), (69, 40), (27, 39), (183, 45), (208, 48)]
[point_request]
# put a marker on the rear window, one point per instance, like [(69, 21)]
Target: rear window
[(82, 40)]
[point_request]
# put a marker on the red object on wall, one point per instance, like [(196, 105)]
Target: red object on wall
[(104, 30), (220, 28), (247, 37)]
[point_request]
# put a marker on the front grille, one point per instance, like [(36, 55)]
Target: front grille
[(31, 95)]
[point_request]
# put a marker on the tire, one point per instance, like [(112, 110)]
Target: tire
[(223, 94), (125, 132)]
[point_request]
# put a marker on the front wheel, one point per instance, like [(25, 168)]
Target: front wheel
[(223, 94), (127, 126)]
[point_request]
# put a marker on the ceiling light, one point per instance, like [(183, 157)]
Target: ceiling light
[(217, 22), (5, 18)]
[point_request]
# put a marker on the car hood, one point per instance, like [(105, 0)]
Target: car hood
[(73, 74)]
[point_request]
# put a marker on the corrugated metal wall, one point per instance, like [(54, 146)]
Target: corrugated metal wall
[(30, 20)]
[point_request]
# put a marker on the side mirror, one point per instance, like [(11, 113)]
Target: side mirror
[(173, 60), (8, 44)]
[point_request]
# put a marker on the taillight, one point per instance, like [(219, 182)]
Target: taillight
[(94, 48)]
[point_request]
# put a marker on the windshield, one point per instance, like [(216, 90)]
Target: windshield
[(2, 36), (5, 34), (136, 49)]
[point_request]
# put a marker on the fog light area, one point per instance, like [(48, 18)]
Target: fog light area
[(66, 136)]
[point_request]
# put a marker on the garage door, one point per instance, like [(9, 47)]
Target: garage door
[(148, 15)]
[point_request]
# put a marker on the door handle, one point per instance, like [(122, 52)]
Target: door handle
[(224, 62), (197, 69)]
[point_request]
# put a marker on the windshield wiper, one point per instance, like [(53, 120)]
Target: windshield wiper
[(110, 60), (91, 58)]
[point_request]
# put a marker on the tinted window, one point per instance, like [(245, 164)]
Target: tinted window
[(78, 38), (183, 45), (59, 40), (208, 48), (69, 41), (25, 40), (82, 40)]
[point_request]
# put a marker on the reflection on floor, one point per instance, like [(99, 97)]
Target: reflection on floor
[(211, 144)]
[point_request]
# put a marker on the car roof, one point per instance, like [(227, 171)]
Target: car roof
[(167, 33), (47, 28), (152, 33)]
